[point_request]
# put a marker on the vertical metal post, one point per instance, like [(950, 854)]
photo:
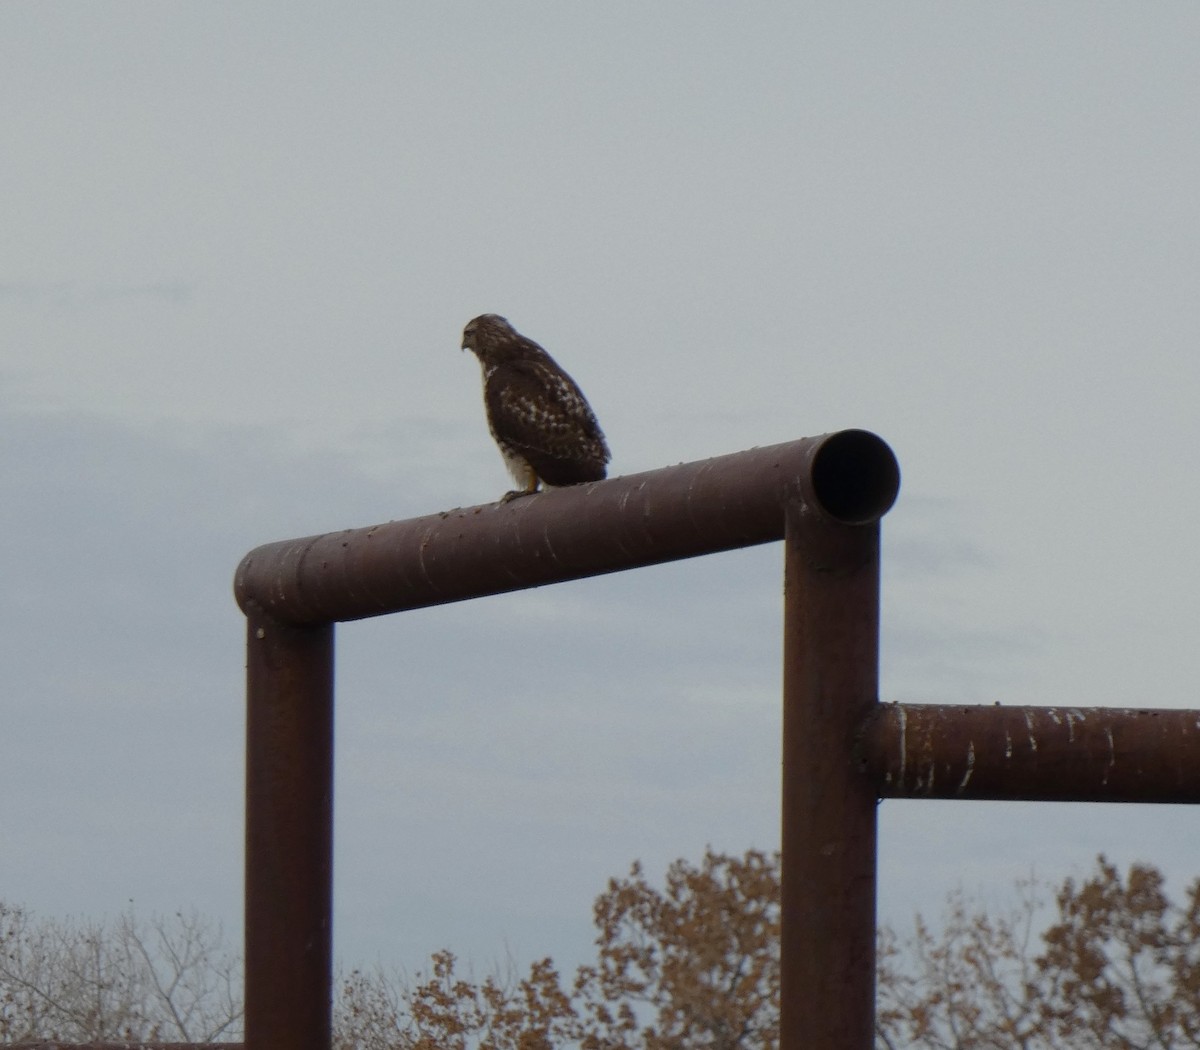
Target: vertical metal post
[(830, 685), (289, 834)]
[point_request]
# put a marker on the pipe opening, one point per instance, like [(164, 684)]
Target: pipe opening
[(855, 477)]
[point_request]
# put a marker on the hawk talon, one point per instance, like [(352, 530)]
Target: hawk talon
[(513, 494)]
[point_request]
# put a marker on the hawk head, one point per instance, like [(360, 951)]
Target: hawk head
[(493, 340)]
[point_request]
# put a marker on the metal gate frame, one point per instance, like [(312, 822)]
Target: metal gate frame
[(843, 750)]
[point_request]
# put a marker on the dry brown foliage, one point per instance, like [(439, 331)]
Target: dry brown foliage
[(692, 965), (1104, 963), (445, 1012), (1111, 964)]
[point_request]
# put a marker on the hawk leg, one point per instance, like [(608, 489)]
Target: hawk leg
[(522, 473), (531, 487)]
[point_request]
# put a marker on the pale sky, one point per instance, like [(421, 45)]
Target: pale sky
[(239, 245)]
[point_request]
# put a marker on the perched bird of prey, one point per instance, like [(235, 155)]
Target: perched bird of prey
[(543, 424)]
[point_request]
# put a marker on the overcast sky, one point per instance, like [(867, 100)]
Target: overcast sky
[(239, 245)]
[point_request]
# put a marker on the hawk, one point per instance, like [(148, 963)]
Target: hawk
[(538, 417)]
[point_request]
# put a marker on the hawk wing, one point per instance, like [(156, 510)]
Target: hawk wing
[(537, 412)]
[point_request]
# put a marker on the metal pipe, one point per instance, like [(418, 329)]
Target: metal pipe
[(1047, 754), (292, 592), (830, 683), (289, 834), (643, 519)]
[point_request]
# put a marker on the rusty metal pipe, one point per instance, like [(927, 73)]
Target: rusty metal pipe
[(1046, 754), (292, 593), (289, 834), (830, 683), (675, 512)]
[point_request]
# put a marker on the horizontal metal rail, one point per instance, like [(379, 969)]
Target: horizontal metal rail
[(624, 523), (1033, 754)]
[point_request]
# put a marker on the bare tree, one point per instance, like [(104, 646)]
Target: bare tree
[(967, 984), (83, 981)]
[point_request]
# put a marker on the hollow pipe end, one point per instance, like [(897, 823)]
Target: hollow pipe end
[(855, 477)]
